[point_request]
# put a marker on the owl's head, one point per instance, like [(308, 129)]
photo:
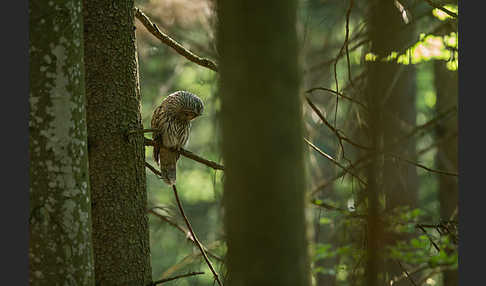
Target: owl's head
[(189, 106)]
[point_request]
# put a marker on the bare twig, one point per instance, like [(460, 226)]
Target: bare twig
[(443, 115), (428, 236), (337, 94), (134, 131), (201, 160), (167, 220), (344, 46), (339, 136), (422, 166), (437, 143), (184, 231), (181, 209), (406, 273), (190, 155), (175, 277), (152, 28), (333, 160), (448, 12), (152, 168), (359, 164), (318, 112), (333, 208)]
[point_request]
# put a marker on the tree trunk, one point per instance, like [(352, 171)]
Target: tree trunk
[(446, 83), (60, 248), (262, 144), (400, 179), (116, 160), (390, 89)]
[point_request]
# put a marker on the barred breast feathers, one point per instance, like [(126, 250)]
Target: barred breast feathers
[(174, 129)]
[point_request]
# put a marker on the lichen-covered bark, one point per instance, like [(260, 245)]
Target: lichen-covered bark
[(60, 249), (117, 171), (262, 144)]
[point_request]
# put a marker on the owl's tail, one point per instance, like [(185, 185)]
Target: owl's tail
[(168, 174), (156, 152), (167, 161)]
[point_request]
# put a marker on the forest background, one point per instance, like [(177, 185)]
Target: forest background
[(431, 49), (419, 172)]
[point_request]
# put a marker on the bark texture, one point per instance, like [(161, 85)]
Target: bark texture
[(60, 248), (262, 144), (117, 172)]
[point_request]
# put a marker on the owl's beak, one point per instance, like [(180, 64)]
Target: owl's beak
[(191, 116)]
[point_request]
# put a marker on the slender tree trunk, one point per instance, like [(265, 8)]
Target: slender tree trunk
[(390, 89), (60, 248), (117, 172), (262, 144), (400, 180), (447, 91)]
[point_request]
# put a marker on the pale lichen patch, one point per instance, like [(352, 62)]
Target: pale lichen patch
[(48, 59)]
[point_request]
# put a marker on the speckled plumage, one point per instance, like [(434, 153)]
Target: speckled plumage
[(173, 118)]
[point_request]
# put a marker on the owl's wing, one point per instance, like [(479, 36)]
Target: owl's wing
[(156, 123)]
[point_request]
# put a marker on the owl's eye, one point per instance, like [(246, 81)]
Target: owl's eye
[(189, 114)]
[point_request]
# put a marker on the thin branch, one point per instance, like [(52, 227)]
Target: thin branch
[(141, 131), (358, 164), (152, 168), (190, 155), (443, 115), (422, 166), (167, 220), (406, 273), (448, 12), (346, 39), (201, 160), (318, 112), (345, 45), (428, 236), (418, 269), (338, 94), (333, 208), (175, 277), (327, 62), (333, 160), (437, 143), (154, 30), (340, 137), (181, 209), (184, 231)]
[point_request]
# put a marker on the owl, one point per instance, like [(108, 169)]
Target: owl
[(173, 118)]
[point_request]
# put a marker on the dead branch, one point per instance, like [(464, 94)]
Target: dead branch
[(334, 161), (154, 30), (181, 209), (448, 12), (334, 130), (190, 155), (181, 229), (175, 277), (337, 94)]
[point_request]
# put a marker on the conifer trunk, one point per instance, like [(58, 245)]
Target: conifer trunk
[(60, 247), (117, 171)]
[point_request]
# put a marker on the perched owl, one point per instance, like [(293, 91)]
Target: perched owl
[(173, 118)]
